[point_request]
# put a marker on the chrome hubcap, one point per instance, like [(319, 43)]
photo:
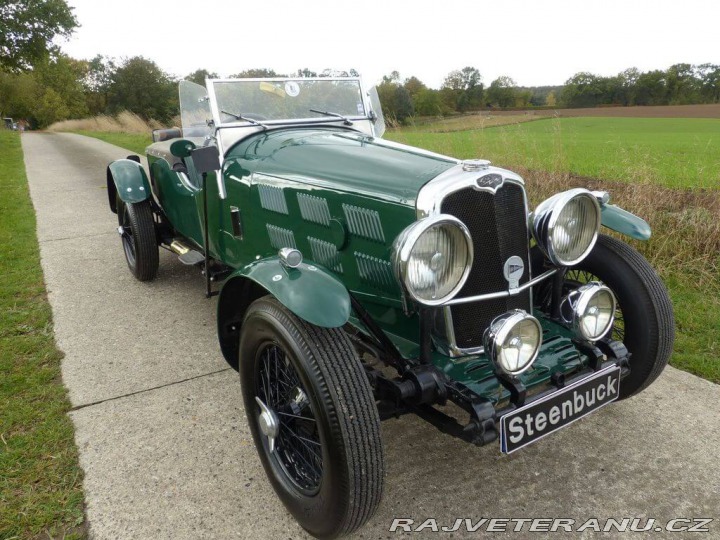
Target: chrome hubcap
[(269, 423)]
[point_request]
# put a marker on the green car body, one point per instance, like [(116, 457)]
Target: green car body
[(341, 198), (361, 279)]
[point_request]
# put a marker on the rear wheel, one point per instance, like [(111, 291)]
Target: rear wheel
[(644, 319), (137, 232), (313, 418)]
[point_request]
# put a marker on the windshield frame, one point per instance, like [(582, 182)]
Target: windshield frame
[(217, 118)]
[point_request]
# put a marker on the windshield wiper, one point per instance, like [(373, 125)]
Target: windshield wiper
[(241, 117), (336, 115)]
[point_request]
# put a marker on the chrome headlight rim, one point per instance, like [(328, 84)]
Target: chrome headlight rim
[(544, 221), (407, 239), (497, 333), (585, 294)]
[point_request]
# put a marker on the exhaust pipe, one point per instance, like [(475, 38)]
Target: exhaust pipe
[(178, 247)]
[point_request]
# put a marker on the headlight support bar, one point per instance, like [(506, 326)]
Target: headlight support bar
[(502, 294)]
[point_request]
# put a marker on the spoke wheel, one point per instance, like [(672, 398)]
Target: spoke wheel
[(295, 447), (136, 228), (313, 418), (126, 234)]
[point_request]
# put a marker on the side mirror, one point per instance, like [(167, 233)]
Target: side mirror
[(207, 159), (182, 148)]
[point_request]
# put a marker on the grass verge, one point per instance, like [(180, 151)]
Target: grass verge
[(684, 249), (135, 142), (40, 479)]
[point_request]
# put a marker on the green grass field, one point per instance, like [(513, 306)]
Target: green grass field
[(40, 480), (674, 152)]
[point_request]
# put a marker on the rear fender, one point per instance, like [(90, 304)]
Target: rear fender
[(309, 291), (126, 178), (622, 221)]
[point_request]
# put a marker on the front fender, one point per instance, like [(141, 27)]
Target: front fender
[(309, 291), (622, 221), (127, 178)]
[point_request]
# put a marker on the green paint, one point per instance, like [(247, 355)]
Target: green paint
[(308, 291), (557, 354), (352, 161), (622, 221), (130, 179)]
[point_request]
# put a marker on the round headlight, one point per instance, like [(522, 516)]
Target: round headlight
[(513, 341), (433, 258), (566, 226), (592, 310)]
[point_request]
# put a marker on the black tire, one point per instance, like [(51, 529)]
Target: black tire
[(644, 319), (333, 409), (139, 241)]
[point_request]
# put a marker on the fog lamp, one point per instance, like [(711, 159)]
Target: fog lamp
[(513, 341), (590, 310)]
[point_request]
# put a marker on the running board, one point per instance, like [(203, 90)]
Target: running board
[(186, 255)]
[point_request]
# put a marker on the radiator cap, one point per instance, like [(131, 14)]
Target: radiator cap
[(471, 165)]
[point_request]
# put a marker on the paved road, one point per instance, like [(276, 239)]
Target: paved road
[(162, 433)]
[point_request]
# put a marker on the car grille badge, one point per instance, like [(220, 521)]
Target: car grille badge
[(513, 270)]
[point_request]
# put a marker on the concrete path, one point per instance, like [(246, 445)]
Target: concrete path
[(164, 442)]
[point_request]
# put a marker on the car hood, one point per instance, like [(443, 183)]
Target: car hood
[(346, 159)]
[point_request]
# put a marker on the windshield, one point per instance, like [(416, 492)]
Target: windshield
[(287, 99), (195, 110)]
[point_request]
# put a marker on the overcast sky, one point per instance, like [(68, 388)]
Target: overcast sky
[(535, 42)]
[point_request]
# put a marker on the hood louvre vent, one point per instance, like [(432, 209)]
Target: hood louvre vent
[(314, 209), (272, 198), (281, 238), (325, 253), (364, 222)]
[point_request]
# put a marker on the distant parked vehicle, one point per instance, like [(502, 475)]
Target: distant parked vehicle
[(10, 124), (365, 279)]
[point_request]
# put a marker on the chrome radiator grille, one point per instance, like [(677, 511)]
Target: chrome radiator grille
[(498, 225)]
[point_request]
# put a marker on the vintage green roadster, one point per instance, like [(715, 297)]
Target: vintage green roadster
[(364, 279)]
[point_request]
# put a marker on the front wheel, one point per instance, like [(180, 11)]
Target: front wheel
[(644, 319), (313, 418), (139, 241)]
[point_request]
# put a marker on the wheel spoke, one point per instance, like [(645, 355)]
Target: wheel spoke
[(296, 416), (298, 449)]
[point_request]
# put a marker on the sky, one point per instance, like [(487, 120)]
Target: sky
[(536, 43)]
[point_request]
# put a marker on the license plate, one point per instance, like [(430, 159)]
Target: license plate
[(559, 409)]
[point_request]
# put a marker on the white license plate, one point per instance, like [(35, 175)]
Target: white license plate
[(559, 409)]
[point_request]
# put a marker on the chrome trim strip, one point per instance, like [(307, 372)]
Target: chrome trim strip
[(454, 179), (502, 294)]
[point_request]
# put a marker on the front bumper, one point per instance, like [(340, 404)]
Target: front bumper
[(490, 395), (482, 427)]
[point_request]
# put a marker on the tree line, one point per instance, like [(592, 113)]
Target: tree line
[(41, 85), (463, 90)]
